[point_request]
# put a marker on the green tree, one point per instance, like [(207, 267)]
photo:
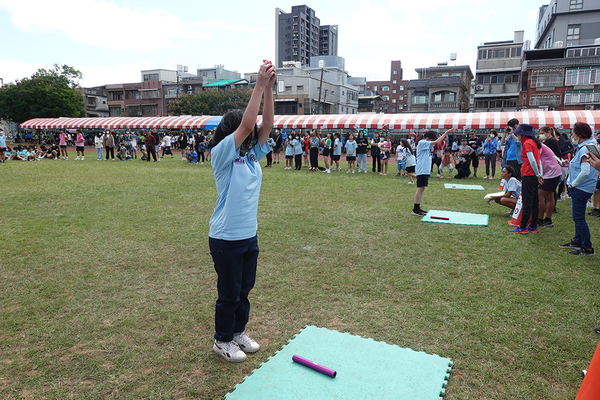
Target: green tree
[(211, 102), (46, 94)]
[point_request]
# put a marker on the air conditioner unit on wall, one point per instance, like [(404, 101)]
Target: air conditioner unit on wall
[(589, 107), (479, 87)]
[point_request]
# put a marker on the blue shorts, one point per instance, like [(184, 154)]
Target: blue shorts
[(401, 165)]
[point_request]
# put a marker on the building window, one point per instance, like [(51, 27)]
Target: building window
[(394, 91), (483, 54), (576, 4), (573, 32), (400, 107), (300, 88), (449, 97), (115, 111), (394, 101), (551, 99), (401, 87), (582, 77), (395, 73), (394, 82), (385, 98), (374, 88), (150, 77), (385, 88), (400, 97), (437, 97), (547, 78), (117, 95), (583, 97), (419, 100), (172, 92)]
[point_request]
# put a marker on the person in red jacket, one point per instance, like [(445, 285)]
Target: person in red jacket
[(531, 175), (150, 146)]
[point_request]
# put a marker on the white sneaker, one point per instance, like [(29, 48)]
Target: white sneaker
[(411, 183), (77, 158), (348, 171), (245, 342), (352, 171), (201, 163), (82, 158), (229, 351), (338, 169), (328, 171)]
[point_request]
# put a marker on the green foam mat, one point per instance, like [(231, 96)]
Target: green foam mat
[(464, 187), (366, 369), (457, 218)]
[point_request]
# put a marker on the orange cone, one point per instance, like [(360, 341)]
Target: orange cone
[(590, 387), (516, 215)]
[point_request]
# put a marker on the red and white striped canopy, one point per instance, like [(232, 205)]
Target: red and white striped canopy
[(564, 119), (119, 122)]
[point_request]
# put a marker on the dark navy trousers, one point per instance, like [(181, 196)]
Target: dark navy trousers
[(235, 263)]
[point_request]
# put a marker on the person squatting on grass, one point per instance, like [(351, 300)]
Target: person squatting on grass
[(531, 176), (423, 168), (237, 146), (512, 188)]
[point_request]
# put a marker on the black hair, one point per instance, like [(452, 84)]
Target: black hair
[(510, 169), (431, 135), (513, 123), (405, 143), (229, 124)]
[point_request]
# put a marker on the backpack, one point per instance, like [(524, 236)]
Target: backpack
[(567, 146)]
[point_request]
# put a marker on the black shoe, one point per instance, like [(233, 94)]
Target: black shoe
[(570, 245), (597, 329), (540, 223), (548, 222), (583, 252), (419, 212)]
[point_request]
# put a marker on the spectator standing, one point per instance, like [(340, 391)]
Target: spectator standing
[(314, 150), (98, 145), (512, 148), (182, 141), (108, 141), (79, 145), (62, 142), (582, 183), (490, 151), (151, 147), (475, 144), (351, 147), (531, 177), (2, 146), (375, 153), (361, 152)]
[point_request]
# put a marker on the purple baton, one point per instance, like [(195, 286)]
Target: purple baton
[(313, 365)]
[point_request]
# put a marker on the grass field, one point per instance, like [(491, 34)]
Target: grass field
[(107, 288)]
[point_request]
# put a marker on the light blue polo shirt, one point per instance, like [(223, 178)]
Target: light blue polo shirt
[(2, 141), (297, 146), (238, 181), (423, 157), (338, 149), (289, 149), (513, 185), (350, 147), (589, 184)]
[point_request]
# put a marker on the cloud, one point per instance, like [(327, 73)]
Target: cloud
[(104, 24)]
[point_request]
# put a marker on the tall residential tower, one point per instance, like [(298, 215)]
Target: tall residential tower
[(299, 36)]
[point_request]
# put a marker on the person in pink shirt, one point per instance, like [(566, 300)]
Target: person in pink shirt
[(62, 142), (552, 174), (79, 144)]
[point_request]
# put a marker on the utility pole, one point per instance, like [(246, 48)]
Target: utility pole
[(321, 87)]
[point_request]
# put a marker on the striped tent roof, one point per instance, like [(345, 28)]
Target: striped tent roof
[(564, 119)]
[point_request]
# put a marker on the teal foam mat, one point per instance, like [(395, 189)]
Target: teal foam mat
[(457, 218), (366, 369), (464, 187)]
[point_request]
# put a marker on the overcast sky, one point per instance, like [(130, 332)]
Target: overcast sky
[(111, 41)]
